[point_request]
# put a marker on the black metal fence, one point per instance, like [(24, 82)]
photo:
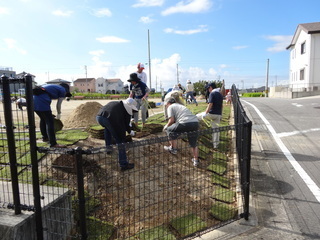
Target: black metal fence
[(80, 192)]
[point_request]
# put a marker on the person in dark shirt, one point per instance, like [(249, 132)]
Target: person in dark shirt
[(139, 91), (213, 111), (115, 118)]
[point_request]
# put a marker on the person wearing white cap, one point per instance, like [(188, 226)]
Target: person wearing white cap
[(189, 92), (141, 74), (115, 118)]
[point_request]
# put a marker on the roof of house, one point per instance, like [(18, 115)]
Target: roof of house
[(22, 74), (84, 80), (58, 80), (113, 80), (309, 28)]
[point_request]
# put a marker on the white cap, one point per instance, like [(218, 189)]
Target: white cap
[(130, 104), (188, 81), (140, 65)]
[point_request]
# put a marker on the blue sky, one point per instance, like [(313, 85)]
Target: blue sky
[(189, 39)]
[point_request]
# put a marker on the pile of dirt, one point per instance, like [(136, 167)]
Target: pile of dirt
[(83, 116)]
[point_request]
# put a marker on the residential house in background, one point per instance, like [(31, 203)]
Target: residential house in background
[(112, 86), (16, 87), (305, 58), (85, 85)]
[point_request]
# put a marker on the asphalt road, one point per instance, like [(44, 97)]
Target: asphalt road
[(285, 167)]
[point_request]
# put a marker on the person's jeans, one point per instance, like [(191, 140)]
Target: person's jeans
[(47, 126), (191, 96), (108, 134)]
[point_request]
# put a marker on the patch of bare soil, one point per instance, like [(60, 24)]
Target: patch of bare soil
[(83, 116), (161, 187)]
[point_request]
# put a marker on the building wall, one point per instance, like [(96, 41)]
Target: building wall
[(315, 60), (101, 85), (300, 61)]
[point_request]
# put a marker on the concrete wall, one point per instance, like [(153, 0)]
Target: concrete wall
[(57, 214)]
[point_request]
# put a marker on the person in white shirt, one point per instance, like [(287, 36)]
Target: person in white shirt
[(141, 74), (189, 92)]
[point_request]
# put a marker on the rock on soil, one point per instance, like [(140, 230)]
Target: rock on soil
[(83, 116)]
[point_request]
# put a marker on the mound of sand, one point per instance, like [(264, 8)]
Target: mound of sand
[(83, 116)]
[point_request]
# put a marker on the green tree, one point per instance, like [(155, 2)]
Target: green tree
[(200, 86)]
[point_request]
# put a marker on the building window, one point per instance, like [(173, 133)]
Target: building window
[(302, 74), (303, 48)]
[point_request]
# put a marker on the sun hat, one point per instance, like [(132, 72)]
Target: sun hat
[(140, 65), (134, 77), (130, 104)]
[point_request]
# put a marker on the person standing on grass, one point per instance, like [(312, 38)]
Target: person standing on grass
[(181, 120), (143, 78), (42, 99), (115, 118), (213, 111), (190, 91), (139, 91)]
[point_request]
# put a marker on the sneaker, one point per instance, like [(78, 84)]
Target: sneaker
[(109, 149), (127, 167), (195, 162), (170, 149)]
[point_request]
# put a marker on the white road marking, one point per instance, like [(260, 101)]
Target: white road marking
[(315, 190), (297, 105), (288, 134)]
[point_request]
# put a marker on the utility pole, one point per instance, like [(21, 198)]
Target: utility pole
[(177, 73), (149, 59), (266, 89), (85, 67)]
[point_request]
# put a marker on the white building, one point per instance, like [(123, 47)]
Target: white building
[(109, 85), (305, 58)]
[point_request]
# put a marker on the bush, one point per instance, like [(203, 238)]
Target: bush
[(256, 94)]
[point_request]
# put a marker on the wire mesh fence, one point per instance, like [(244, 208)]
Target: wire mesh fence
[(81, 192), (164, 197)]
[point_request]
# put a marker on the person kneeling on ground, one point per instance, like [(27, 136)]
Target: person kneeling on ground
[(115, 118), (181, 120), (21, 102)]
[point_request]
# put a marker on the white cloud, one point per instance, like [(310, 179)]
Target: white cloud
[(111, 39), (12, 45), (202, 28), (189, 6), (4, 10), (96, 52), (146, 20), (281, 42), (239, 47), (148, 3), (103, 12), (62, 13)]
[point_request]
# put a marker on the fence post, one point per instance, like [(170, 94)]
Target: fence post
[(11, 143), (247, 167), (81, 197), (34, 158)]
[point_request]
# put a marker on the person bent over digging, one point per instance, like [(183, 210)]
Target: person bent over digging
[(181, 120), (115, 118)]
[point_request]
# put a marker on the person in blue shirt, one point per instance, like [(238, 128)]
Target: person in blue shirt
[(213, 111), (42, 107), (139, 91)]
